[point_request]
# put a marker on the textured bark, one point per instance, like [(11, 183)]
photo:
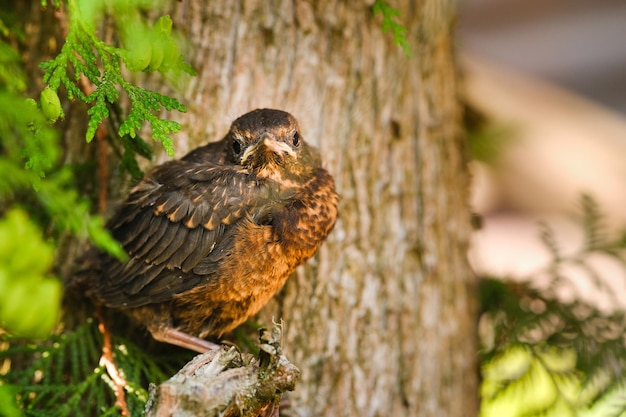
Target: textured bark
[(382, 321), (226, 382)]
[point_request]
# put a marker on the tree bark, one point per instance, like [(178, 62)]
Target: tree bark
[(382, 321), (226, 382)]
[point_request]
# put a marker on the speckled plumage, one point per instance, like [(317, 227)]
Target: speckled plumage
[(214, 235)]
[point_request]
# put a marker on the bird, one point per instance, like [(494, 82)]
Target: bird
[(212, 236)]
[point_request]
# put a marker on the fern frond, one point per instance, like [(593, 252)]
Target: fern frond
[(85, 55), (548, 238), (63, 377), (518, 316), (144, 103), (590, 358), (592, 223), (390, 24)]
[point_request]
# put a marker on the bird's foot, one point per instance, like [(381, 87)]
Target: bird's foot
[(182, 339)]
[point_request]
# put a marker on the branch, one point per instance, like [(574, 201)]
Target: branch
[(228, 382)]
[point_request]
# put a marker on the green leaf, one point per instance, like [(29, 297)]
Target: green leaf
[(63, 377), (29, 298), (133, 147), (389, 24), (144, 48), (8, 403), (143, 105), (11, 76), (102, 238), (99, 112)]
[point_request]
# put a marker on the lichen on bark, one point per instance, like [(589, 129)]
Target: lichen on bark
[(227, 382)]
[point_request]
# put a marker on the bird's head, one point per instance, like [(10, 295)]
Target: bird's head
[(270, 144)]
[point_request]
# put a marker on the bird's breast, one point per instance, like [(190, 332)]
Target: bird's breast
[(261, 258), (306, 221)]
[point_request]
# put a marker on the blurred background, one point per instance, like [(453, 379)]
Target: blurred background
[(577, 44), (551, 76)]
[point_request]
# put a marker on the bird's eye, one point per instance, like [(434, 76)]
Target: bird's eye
[(236, 146), (296, 139)]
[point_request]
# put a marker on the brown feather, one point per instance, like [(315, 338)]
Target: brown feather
[(214, 235)]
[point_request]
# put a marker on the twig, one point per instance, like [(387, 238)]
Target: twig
[(107, 360), (227, 382)]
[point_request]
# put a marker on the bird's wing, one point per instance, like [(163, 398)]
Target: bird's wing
[(176, 217)]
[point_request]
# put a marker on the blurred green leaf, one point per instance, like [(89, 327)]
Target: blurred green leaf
[(8, 405), (573, 353), (29, 297)]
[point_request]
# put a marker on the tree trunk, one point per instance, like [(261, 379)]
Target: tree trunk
[(382, 321)]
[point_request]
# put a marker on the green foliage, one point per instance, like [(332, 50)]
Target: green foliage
[(40, 202), (56, 202), (24, 136), (33, 181), (390, 24), (84, 54), (64, 377), (29, 153), (487, 139), (29, 297), (55, 3), (545, 357), (51, 105), (131, 148)]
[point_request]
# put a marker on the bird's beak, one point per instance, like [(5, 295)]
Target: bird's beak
[(279, 148), (269, 141)]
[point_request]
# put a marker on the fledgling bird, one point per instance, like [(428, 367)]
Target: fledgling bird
[(213, 236)]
